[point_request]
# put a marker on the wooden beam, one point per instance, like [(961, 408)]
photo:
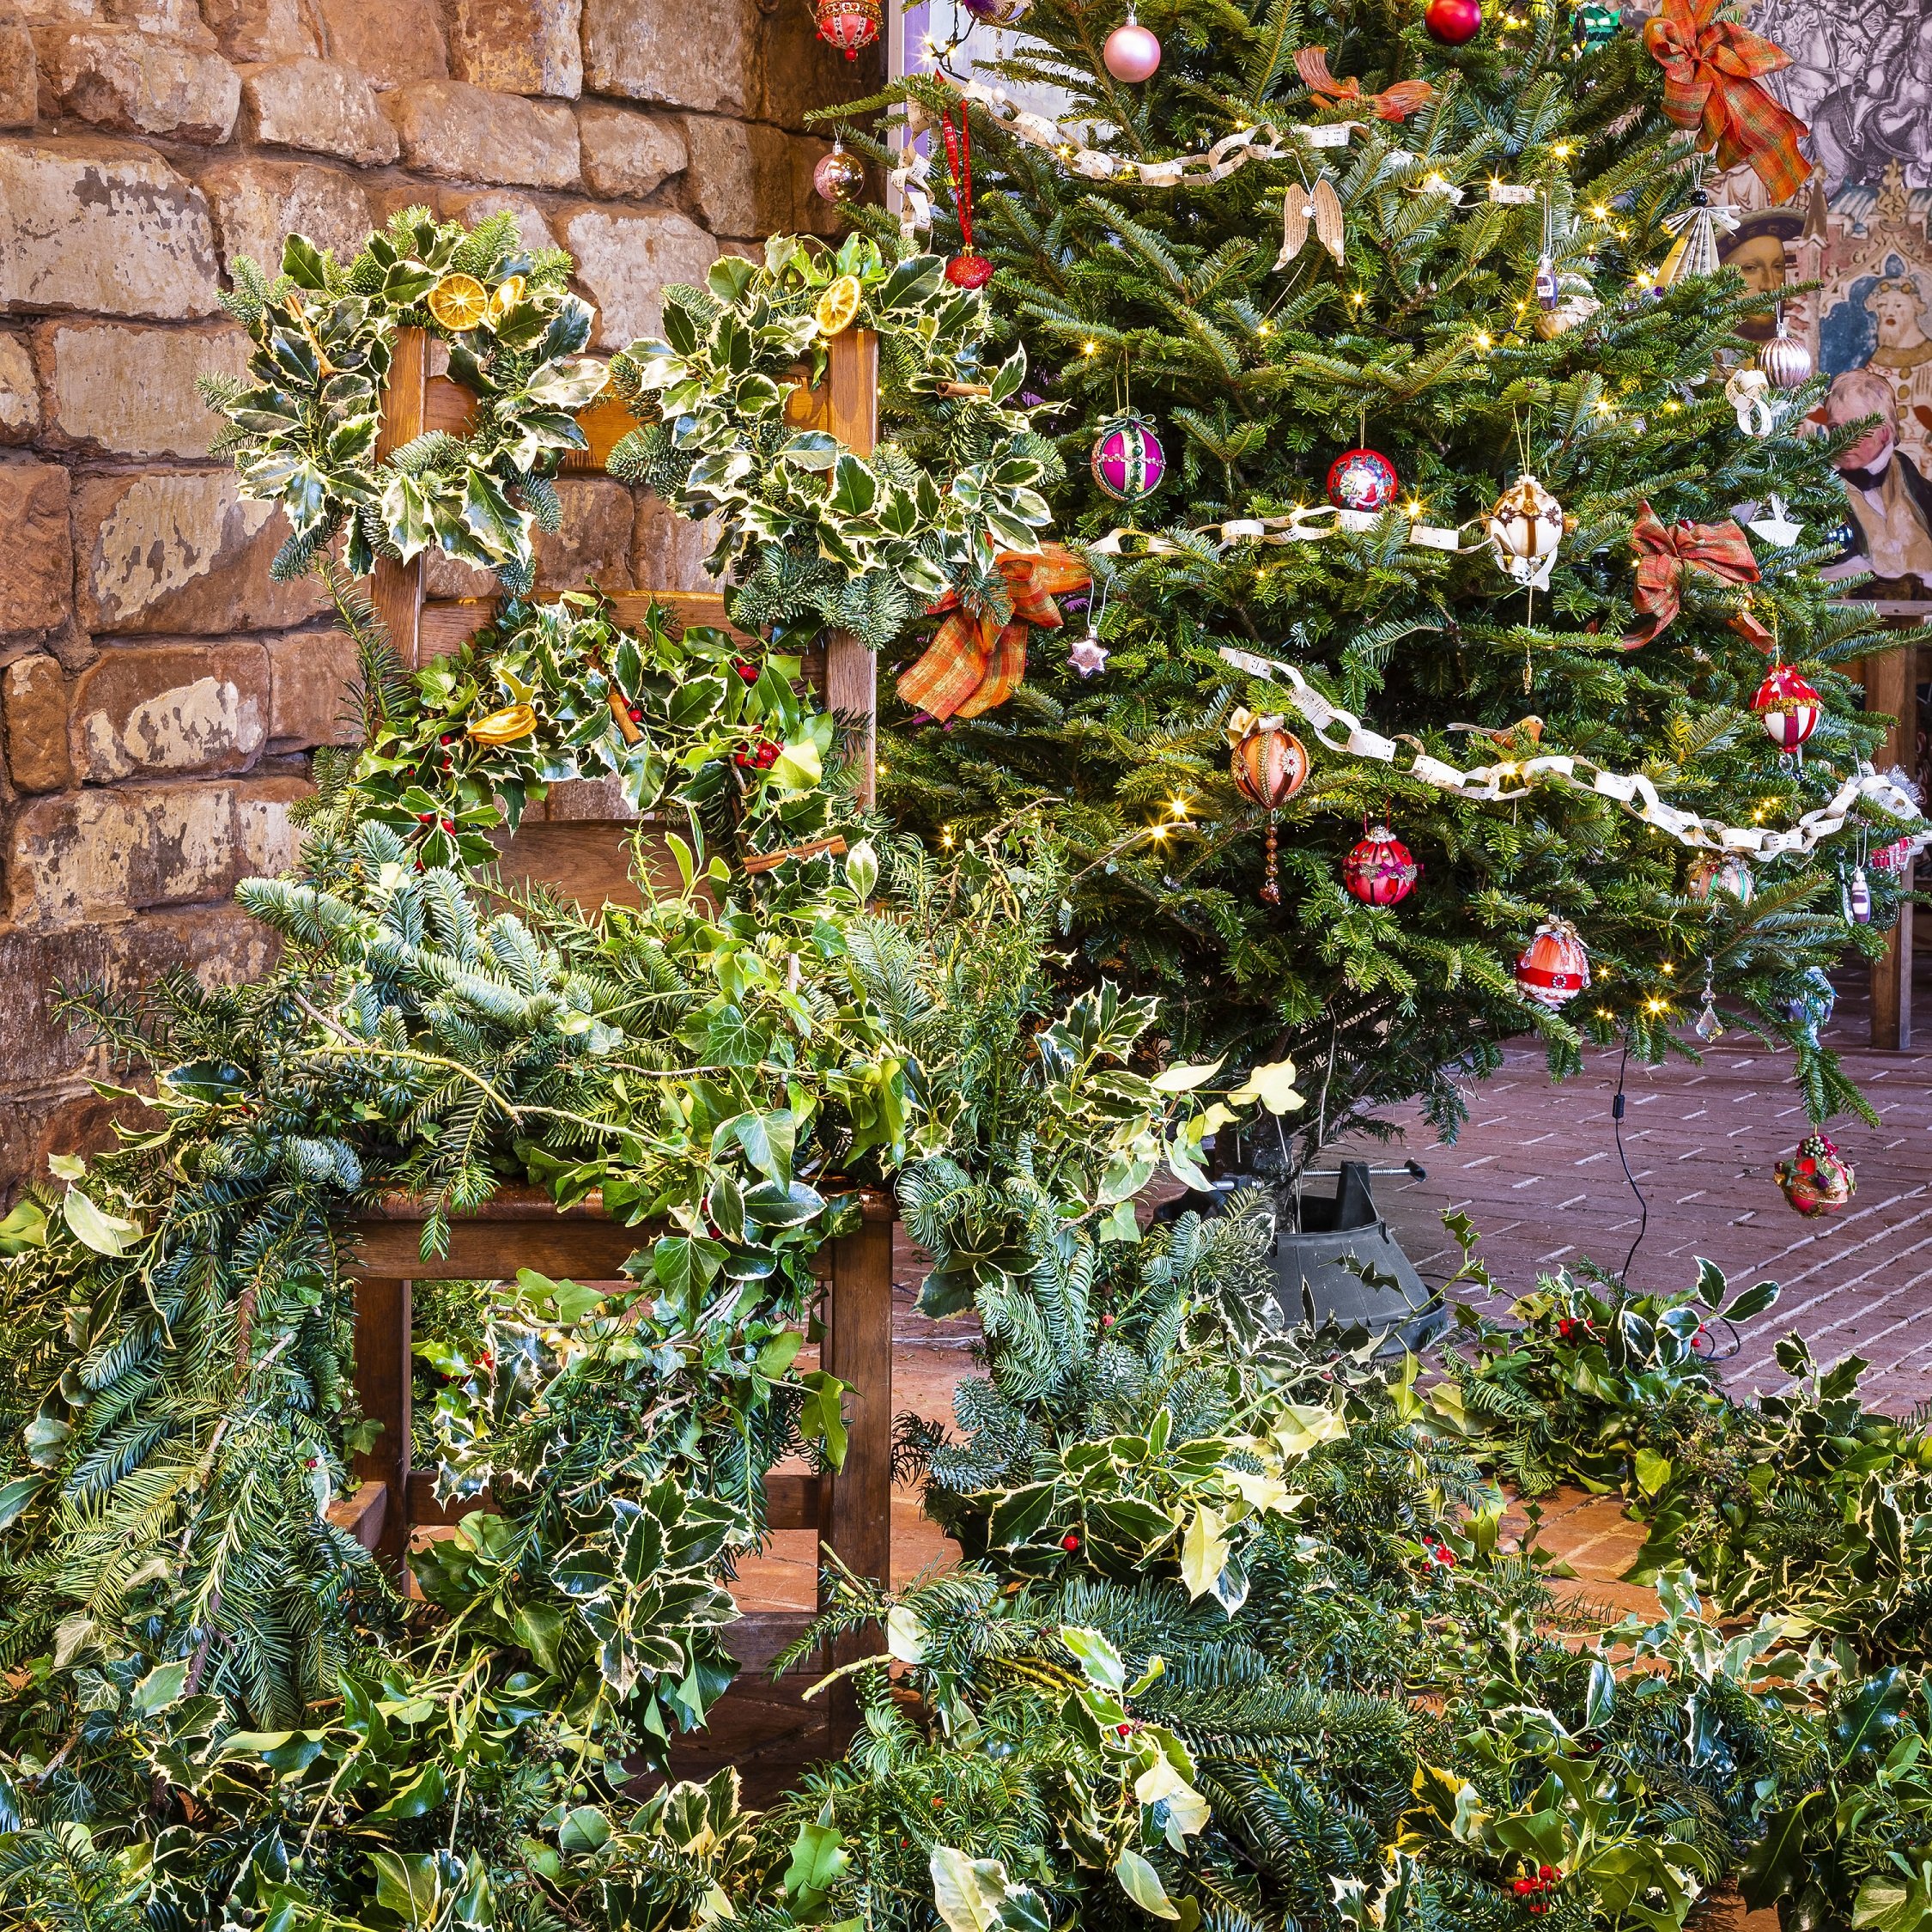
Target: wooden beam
[(1891, 687), (361, 1513), (851, 668), (396, 589), (383, 1366), (793, 1501)]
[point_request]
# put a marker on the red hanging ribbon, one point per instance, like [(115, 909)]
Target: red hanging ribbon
[(1713, 71), (958, 131), (1394, 103), (1665, 553)]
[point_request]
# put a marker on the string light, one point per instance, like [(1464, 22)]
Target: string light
[(1178, 807), (1090, 349)]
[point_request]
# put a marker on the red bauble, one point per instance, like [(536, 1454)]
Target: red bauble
[(1788, 707), (1818, 1179), (1362, 479), (1381, 870), (969, 271), (1454, 23), (1554, 968), (849, 25)]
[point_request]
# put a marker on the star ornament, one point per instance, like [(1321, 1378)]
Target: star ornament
[(1777, 525)]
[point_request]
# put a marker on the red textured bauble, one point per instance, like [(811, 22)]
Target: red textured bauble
[(849, 25), (1454, 23), (1788, 706), (1362, 479), (969, 271), (1554, 967), (1381, 870)]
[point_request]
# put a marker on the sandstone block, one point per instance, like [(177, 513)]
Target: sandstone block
[(266, 843), (744, 177), (642, 50), (36, 547), (257, 202), (170, 712), (179, 20), (309, 675), (667, 552), (321, 106), (625, 262), (162, 552), (627, 153), (117, 390), (93, 855), (34, 705), (534, 227), (518, 46), (110, 230), (595, 541), (465, 133), (399, 41), (129, 82), (20, 390), (20, 79), (790, 71), (261, 29)]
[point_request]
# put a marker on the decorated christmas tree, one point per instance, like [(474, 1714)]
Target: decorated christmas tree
[(1405, 422)]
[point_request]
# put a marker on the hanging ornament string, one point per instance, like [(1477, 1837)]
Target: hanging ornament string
[(1342, 731), (968, 269)]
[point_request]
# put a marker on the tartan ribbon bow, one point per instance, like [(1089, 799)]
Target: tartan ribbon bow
[(975, 661), (1664, 553), (1713, 73), (1394, 103)]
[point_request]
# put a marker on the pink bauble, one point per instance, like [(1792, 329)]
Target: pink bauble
[(1454, 23), (1132, 53), (839, 177)]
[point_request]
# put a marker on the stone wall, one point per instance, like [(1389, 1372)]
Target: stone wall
[(159, 694)]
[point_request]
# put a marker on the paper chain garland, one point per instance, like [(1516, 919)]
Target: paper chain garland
[(1309, 525), (1343, 732)]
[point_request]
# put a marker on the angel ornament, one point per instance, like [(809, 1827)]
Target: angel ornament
[(1306, 207), (1697, 228)]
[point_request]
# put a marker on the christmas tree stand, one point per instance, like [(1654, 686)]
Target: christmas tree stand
[(1343, 1267)]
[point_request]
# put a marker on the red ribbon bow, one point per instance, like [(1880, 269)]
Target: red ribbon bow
[(1664, 554), (975, 662), (1712, 71), (1394, 103)]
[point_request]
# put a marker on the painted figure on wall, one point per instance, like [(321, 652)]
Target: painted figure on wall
[(1888, 497)]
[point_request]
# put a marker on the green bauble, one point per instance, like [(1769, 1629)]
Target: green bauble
[(1597, 25)]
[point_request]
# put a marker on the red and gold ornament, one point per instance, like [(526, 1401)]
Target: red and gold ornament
[(1817, 1178), (968, 269), (850, 26), (1788, 707), (1269, 765), (1380, 870), (1554, 967)]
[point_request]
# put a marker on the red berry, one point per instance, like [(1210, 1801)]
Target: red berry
[(1069, 1542), (425, 818), (1548, 1874), (1124, 1730), (444, 740), (449, 824), (1107, 1322), (636, 713), (745, 669), (1523, 1886), (311, 1463)]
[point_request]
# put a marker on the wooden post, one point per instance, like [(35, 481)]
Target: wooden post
[(852, 669), (1892, 685), (396, 590), (382, 1367)]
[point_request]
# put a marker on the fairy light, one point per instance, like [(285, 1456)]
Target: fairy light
[(1563, 150), (1484, 339), (1599, 213), (1266, 329), (1671, 405), (945, 838), (1359, 297), (1413, 509), (1178, 807), (1665, 967), (1090, 349), (1655, 1005)]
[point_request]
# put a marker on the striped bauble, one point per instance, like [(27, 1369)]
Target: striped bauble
[(1128, 461)]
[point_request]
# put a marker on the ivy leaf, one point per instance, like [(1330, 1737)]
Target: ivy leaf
[(975, 1895), (819, 1860), (1185, 1078), (1274, 1085)]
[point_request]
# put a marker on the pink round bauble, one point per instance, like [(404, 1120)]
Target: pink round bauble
[(839, 177), (1132, 53), (1454, 23)]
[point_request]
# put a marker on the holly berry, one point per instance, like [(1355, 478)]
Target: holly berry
[(313, 1463), (1123, 1730), (762, 756), (444, 740), (745, 669), (1069, 1542), (637, 713), (425, 818), (449, 824)]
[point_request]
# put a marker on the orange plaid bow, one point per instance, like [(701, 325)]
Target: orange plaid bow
[(1664, 554), (975, 662), (1712, 73), (1394, 103)]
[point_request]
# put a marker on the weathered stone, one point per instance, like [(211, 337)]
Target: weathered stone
[(465, 133), (667, 552), (170, 712), (594, 544), (645, 50), (266, 843), (625, 262), (35, 714), (94, 854), (161, 552), (790, 71), (179, 20), (126, 391), (20, 78), (261, 29), (130, 83), (20, 390), (110, 230), (36, 549), (533, 229), (257, 202), (518, 46), (32, 1126), (399, 41), (321, 106), (310, 672), (627, 153), (743, 177), (596, 800)]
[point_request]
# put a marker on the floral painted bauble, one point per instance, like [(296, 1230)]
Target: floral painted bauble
[(1380, 870), (1788, 707), (969, 271), (1362, 479), (1000, 13), (1527, 525), (849, 25), (840, 177), (1132, 53), (1817, 1178), (1554, 968), (1128, 460), (1454, 23), (1786, 360), (1712, 872), (1596, 26)]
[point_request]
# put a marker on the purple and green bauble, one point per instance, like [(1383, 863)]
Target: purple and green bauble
[(1128, 461)]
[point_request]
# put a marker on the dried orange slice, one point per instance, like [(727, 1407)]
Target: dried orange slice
[(460, 302), (506, 298), (506, 727), (838, 307)]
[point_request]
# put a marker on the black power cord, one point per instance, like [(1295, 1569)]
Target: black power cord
[(1617, 1118)]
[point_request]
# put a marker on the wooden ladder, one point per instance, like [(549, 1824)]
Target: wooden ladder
[(851, 1511)]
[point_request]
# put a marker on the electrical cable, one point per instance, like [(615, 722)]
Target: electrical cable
[(1617, 1118)]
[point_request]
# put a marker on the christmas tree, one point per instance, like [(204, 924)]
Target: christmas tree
[(1421, 264)]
